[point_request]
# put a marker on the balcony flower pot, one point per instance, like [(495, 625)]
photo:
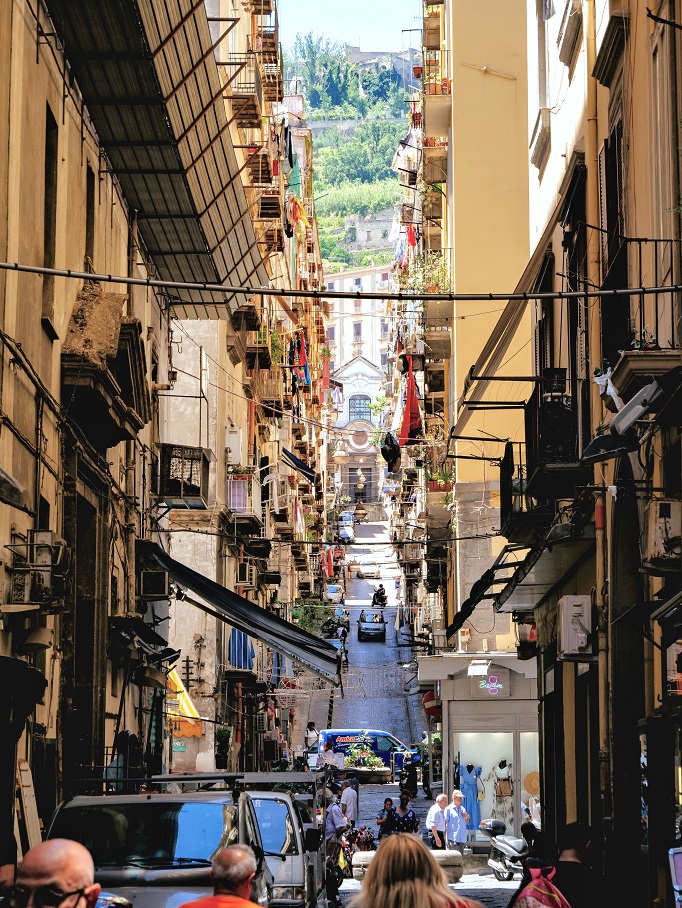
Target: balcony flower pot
[(431, 88), (417, 118), (417, 71)]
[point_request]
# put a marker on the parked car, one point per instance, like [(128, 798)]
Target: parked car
[(155, 849), (292, 851), (346, 533), (334, 592), (368, 567), (371, 626)]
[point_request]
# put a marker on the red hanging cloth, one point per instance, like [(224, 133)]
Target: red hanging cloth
[(411, 430)]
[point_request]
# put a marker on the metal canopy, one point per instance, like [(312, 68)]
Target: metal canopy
[(148, 75), (542, 570), (306, 649)]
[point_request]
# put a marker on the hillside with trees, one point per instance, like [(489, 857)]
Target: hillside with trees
[(361, 103)]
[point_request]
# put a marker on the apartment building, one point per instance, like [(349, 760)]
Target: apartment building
[(144, 426), (588, 563)]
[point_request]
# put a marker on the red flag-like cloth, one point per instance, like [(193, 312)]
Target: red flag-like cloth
[(411, 430)]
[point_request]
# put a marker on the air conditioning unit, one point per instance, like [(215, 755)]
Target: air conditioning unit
[(31, 586), (153, 585), (663, 548), (233, 446), (464, 637), (246, 575), (575, 627)]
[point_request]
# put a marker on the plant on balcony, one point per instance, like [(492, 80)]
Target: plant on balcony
[(276, 348), (429, 273), (645, 340)]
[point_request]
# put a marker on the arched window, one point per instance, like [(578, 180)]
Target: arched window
[(358, 407)]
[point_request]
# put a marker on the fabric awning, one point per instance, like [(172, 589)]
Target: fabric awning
[(282, 636), (542, 570), (297, 464), (185, 718)]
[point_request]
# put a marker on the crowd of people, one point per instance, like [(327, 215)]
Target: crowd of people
[(403, 873)]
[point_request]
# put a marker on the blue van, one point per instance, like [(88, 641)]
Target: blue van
[(380, 743)]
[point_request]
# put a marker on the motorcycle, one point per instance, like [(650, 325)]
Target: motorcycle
[(379, 601), (408, 778), (507, 853)]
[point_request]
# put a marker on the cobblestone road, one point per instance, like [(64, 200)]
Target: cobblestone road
[(375, 696)]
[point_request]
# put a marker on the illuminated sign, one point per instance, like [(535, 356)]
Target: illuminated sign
[(495, 684)]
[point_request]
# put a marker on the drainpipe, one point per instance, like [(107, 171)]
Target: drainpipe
[(131, 524), (594, 340)]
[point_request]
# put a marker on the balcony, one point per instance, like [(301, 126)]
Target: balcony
[(260, 7), (438, 343), (246, 91), (273, 76), (522, 518), (182, 480), (437, 98), (248, 316), (552, 455), (268, 36), (435, 161), (273, 389), (258, 350), (432, 37), (436, 566), (243, 499), (259, 167)]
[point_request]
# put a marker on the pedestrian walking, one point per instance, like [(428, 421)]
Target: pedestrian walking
[(401, 818), (54, 874), (435, 823), (349, 803), (312, 738), (456, 819), (233, 870), (404, 874), (334, 828), (383, 815)]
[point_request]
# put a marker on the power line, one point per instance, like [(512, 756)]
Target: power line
[(206, 287)]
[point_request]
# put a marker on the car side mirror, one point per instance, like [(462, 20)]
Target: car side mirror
[(312, 839)]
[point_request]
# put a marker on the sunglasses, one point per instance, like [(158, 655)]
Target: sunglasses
[(43, 896)]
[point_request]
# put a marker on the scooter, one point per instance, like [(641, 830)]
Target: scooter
[(425, 779), (379, 601), (408, 778), (507, 853)]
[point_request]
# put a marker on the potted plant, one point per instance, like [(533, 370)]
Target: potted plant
[(645, 340), (417, 70), (222, 746), (369, 767)]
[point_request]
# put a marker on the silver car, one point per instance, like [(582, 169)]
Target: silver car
[(371, 626)]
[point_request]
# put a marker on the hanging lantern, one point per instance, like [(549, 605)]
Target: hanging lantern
[(360, 512), (340, 455)]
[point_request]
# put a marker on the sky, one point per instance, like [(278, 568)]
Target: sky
[(372, 24)]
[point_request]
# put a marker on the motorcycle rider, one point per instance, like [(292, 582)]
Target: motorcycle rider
[(408, 777), (456, 819)]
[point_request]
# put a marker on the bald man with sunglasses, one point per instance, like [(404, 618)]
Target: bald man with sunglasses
[(54, 874)]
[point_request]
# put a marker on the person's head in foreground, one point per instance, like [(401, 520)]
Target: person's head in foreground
[(233, 870), (404, 874), (55, 874)]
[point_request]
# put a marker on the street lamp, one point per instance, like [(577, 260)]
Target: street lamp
[(360, 512), (340, 455)]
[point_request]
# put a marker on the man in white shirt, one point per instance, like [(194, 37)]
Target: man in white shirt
[(456, 819), (349, 803), (435, 823)]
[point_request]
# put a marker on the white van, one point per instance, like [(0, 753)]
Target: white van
[(292, 846)]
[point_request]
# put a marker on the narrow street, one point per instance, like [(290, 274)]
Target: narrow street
[(375, 695)]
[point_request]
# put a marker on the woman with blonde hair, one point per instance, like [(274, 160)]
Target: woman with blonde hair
[(405, 874)]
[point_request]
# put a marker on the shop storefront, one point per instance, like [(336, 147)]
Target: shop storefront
[(490, 733)]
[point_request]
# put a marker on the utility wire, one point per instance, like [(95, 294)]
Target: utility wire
[(207, 287)]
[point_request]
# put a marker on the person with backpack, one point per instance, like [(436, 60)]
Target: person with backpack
[(568, 883)]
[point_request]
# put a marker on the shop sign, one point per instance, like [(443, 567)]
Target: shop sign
[(179, 745), (494, 685)]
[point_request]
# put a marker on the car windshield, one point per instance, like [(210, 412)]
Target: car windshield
[(276, 826), (372, 618), (148, 832)]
